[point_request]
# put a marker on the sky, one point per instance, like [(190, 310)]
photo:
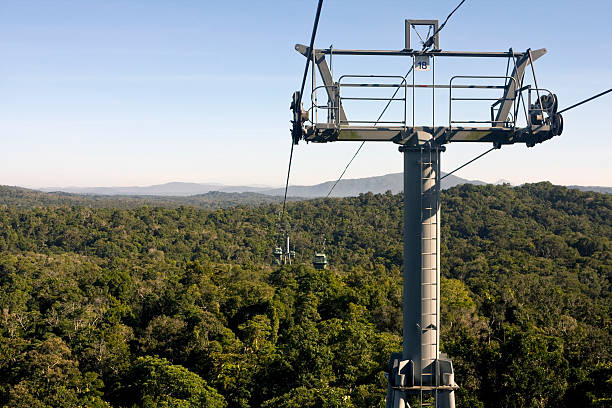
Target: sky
[(121, 93)]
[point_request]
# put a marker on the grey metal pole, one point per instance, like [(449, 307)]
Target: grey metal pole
[(429, 273), (420, 370), (412, 307), (420, 274), (405, 369)]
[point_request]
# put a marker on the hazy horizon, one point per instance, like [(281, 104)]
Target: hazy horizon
[(270, 187)]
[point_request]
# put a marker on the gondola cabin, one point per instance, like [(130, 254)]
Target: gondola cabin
[(278, 255), (319, 260)]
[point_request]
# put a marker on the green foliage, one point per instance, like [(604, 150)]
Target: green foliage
[(49, 377), (302, 397), (25, 198), (179, 307), (155, 382)]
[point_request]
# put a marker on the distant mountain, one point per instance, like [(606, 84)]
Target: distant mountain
[(354, 187), (345, 188), (598, 189), (176, 189)]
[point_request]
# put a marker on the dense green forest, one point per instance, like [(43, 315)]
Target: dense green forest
[(26, 198), (180, 307)]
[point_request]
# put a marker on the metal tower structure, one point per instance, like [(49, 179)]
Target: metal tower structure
[(519, 112), (284, 255)]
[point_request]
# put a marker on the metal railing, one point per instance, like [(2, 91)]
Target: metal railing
[(403, 84), (334, 104), (540, 107), (332, 107), (492, 122)]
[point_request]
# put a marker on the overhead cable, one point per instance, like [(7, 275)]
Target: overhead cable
[(299, 101), (417, 33), (426, 43), (465, 164), (493, 148), (287, 185), (362, 143), (586, 100), (345, 169), (430, 40), (309, 52)]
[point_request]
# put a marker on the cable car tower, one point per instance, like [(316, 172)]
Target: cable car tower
[(284, 255), (519, 112)]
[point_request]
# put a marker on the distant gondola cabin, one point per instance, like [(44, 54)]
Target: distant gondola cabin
[(320, 260), (278, 255)]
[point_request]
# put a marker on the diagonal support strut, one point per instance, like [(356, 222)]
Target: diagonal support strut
[(326, 75), (510, 92)]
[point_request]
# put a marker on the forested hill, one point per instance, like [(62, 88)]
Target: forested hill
[(26, 198), (169, 307)]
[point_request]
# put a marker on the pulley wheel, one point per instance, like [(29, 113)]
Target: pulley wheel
[(557, 124), (549, 104)]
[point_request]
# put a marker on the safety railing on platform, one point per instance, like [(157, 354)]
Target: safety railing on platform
[(332, 108), (536, 112), (334, 103), (491, 122)]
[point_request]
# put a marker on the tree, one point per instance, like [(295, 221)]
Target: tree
[(50, 378), (155, 382)]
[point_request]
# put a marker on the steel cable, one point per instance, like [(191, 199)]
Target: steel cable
[(430, 40), (405, 76), (309, 53), (465, 164), (362, 143), (287, 185), (493, 148), (299, 102), (585, 101)]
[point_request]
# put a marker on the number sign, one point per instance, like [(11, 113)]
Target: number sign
[(421, 63)]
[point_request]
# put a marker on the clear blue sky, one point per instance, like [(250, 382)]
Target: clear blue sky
[(100, 93)]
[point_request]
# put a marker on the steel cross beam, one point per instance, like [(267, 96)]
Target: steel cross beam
[(324, 133), (411, 53)]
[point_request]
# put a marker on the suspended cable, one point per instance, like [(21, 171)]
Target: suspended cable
[(426, 44), (309, 53), (586, 100), (345, 169), (417, 33), (299, 101), (287, 185), (493, 148), (362, 143), (471, 161), (430, 40)]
